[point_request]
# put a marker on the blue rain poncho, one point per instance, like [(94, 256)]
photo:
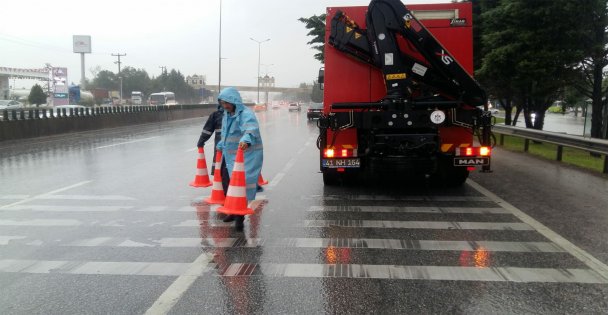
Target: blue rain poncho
[(241, 126)]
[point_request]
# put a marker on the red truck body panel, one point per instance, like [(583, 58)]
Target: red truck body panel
[(349, 80)]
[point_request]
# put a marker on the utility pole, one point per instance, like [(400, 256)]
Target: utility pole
[(259, 60), (163, 70), (118, 55), (219, 80)]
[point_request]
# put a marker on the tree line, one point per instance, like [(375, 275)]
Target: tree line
[(529, 54), (138, 80)]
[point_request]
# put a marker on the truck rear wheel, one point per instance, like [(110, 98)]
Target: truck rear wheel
[(331, 179), (449, 175)]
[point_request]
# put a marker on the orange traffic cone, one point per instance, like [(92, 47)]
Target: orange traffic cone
[(202, 177), (236, 198), (261, 180), (217, 192)]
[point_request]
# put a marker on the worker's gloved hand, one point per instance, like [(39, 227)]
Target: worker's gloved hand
[(243, 146), (200, 145)]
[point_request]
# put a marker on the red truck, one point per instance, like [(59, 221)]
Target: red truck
[(399, 93)]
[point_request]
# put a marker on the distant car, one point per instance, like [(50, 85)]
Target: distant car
[(260, 107), (10, 104), (276, 106), (294, 107), (315, 110)]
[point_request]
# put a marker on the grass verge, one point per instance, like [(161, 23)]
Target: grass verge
[(549, 151)]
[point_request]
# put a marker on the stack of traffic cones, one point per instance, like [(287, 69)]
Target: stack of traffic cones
[(217, 192), (202, 176), (236, 198)]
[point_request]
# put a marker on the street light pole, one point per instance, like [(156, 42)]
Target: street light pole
[(259, 60), (219, 80)]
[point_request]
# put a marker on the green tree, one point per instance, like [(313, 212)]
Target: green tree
[(37, 95), (174, 81), (106, 79), (591, 72), (135, 80), (316, 29), (531, 47)]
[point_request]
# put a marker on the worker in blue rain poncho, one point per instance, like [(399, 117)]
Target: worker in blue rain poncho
[(240, 129)]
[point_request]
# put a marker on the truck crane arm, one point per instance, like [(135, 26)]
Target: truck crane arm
[(378, 46)]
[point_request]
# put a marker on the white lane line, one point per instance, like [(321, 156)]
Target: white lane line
[(97, 267), (277, 179), (207, 145), (434, 225), (174, 292), (84, 197), (41, 222), (396, 198), (45, 194), (375, 209), (360, 243), (446, 273), (44, 208), (13, 197), (127, 142), (574, 250), (5, 239)]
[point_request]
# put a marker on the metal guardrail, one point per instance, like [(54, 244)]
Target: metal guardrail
[(62, 112), (591, 145)]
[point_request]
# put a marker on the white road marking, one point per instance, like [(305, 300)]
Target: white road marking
[(375, 209), (5, 239), (450, 273), (45, 194), (84, 197), (579, 253), (98, 267), (128, 142), (43, 208), (322, 243), (277, 179), (396, 198), (437, 225), (174, 292), (13, 197), (40, 222)]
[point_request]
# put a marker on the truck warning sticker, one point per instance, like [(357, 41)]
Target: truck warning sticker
[(419, 69), (396, 76)]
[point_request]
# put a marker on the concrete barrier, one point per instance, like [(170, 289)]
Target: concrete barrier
[(30, 123)]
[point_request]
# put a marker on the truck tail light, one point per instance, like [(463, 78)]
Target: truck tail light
[(329, 153), (474, 151), (484, 151)]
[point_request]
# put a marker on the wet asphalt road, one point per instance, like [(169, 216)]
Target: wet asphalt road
[(104, 222)]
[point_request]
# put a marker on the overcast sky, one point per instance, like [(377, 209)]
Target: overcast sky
[(180, 34)]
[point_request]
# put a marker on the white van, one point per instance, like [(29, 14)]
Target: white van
[(162, 98), (137, 98)]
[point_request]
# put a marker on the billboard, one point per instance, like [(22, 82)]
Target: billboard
[(60, 86), (82, 44)]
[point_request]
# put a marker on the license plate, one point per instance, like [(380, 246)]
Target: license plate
[(471, 161), (342, 163)]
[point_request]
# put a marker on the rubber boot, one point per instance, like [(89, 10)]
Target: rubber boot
[(239, 222), (229, 218)]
